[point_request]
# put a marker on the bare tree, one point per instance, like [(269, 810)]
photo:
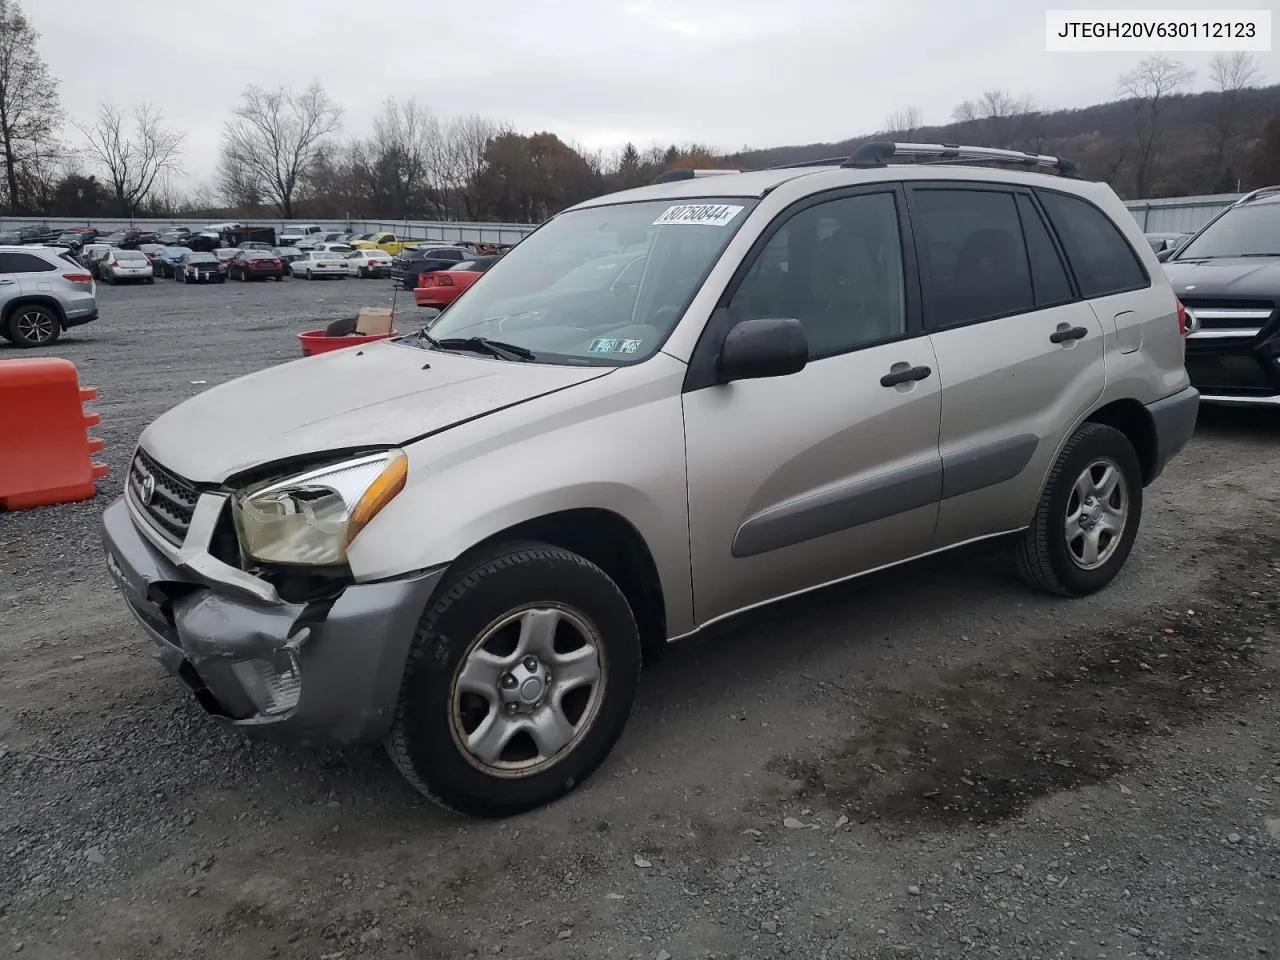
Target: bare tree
[(1151, 86), (996, 118), (399, 160), (466, 141), (132, 157), (274, 138), (43, 167), (29, 111), (905, 121), (1231, 73)]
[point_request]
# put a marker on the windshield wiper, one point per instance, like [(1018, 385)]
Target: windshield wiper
[(1260, 254), (494, 348)]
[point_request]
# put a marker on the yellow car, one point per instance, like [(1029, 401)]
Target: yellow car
[(387, 242)]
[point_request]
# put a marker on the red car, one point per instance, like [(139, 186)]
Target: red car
[(439, 288), (256, 265)]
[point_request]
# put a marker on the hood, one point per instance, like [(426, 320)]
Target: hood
[(353, 397), (1242, 278)]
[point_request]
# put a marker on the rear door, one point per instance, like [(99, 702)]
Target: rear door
[(1020, 354)]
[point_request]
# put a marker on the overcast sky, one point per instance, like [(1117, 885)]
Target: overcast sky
[(725, 72)]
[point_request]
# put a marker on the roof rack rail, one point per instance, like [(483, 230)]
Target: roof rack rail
[(824, 162), (878, 153), (1255, 194), (671, 176)]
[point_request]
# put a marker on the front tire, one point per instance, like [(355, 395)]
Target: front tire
[(1088, 516), (519, 681)]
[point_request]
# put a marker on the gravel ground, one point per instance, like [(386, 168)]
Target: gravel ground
[(929, 763)]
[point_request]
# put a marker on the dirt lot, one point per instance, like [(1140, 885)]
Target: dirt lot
[(933, 763)]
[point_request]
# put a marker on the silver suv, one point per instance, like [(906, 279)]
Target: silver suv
[(664, 407), (43, 291)]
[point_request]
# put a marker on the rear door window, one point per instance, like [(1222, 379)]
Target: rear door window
[(975, 257)]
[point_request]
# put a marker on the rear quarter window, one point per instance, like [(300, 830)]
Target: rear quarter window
[(1100, 255)]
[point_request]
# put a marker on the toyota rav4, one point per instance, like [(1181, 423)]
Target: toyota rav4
[(465, 541)]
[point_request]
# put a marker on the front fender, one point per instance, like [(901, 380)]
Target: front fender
[(615, 444)]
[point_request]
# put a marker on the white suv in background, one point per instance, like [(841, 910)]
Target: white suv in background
[(43, 291)]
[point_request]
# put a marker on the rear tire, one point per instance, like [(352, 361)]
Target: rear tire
[(1088, 516), (33, 326), (569, 642)]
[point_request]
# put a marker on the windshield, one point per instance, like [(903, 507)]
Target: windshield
[(599, 285), (1250, 231)]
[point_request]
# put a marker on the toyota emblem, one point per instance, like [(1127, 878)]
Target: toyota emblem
[(147, 487)]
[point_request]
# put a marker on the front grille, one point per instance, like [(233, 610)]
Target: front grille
[(1229, 320), (168, 501)]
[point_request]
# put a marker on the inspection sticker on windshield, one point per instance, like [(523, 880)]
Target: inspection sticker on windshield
[(698, 215), (614, 345)]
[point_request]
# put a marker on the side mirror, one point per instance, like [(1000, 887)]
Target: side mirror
[(1164, 254), (754, 349)]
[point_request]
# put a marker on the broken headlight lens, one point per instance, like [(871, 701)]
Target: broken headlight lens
[(311, 519)]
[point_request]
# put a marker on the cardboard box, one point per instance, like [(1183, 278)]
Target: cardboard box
[(374, 320)]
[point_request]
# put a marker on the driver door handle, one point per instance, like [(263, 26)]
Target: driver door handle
[(907, 375), (1065, 334)]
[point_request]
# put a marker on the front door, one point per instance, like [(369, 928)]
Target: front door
[(800, 480)]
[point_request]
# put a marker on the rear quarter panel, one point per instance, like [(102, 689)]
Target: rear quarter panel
[(1145, 352)]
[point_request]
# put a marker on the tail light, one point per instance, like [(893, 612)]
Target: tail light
[(78, 277), (444, 281), (114, 263)]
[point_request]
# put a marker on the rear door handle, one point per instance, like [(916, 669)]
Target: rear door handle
[(1064, 334), (905, 375)]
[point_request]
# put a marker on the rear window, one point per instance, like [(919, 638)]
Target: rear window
[(130, 255)]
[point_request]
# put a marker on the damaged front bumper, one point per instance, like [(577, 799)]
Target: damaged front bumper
[(326, 669)]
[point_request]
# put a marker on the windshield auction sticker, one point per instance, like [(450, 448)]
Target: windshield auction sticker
[(698, 215)]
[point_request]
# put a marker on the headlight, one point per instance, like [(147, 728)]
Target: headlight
[(312, 518)]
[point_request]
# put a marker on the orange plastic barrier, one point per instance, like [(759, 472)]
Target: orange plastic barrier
[(46, 453)]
